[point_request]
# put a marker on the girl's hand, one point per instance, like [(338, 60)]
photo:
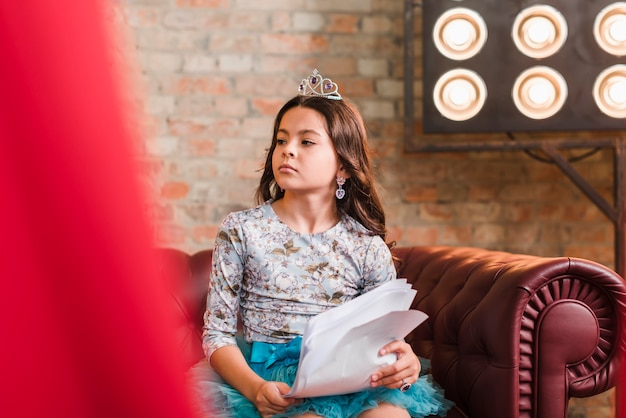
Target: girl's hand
[(269, 399), (406, 367)]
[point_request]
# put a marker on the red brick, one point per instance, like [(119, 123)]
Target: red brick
[(421, 235), (543, 172), (437, 212), (393, 129), (247, 21), (205, 234), (420, 172), (168, 234), (237, 150), (197, 211), (219, 128), (149, 166), (337, 68), (209, 4), (533, 248), (376, 24), (278, 64), (519, 212), (214, 22), (186, 127), (196, 106), (535, 192), (581, 211), (266, 86), (143, 17), (395, 233), (551, 211), (495, 172), (480, 211), (161, 212), (524, 232), (554, 233), (452, 191), (602, 254), (258, 128), (150, 126), (249, 169), (421, 193), (592, 234), (298, 44), (383, 148), (244, 194), (201, 147), (233, 43), (267, 107), (202, 170), (486, 235), (174, 190), (281, 21), (456, 235), (482, 192), (188, 84), (343, 23), (357, 87), (232, 107)]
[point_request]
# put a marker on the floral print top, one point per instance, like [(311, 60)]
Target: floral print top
[(276, 279)]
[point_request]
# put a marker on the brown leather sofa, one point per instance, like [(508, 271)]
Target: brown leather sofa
[(508, 335)]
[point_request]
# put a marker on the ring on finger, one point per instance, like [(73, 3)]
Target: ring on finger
[(405, 386)]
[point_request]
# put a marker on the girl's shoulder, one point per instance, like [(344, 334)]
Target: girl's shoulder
[(353, 225), (257, 213), (361, 235)]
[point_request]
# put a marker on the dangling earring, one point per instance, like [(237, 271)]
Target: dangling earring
[(340, 193)]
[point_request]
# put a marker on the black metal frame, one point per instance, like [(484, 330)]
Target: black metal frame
[(550, 146)]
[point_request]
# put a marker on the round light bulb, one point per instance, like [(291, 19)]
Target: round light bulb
[(541, 92), (617, 30), (617, 91), (609, 29), (458, 33), (609, 91), (459, 93), (540, 31)]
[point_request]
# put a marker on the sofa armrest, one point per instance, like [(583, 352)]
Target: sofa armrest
[(514, 335), (187, 280)]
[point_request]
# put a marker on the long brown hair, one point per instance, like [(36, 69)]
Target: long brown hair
[(347, 132)]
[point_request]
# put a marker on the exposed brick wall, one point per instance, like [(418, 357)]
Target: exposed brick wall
[(214, 73)]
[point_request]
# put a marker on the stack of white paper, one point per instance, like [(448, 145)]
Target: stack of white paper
[(340, 346)]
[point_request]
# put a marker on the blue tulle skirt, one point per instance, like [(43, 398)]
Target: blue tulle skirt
[(217, 399)]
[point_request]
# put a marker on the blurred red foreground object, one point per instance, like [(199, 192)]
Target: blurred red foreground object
[(83, 319)]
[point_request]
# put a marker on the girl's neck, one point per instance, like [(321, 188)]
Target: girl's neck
[(308, 216)]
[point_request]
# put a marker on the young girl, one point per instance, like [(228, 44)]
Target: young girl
[(316, 240)]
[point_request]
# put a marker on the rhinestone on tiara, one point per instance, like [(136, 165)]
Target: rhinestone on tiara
[(317, 85)]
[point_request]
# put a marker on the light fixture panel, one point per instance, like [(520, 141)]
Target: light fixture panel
[(542, 66)]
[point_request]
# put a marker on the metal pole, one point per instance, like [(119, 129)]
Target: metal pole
[(620, 206), (409, 60)]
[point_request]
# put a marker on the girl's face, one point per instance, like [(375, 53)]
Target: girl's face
[(305, 160)]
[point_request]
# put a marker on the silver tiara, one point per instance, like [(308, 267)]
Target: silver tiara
[(316, 85)]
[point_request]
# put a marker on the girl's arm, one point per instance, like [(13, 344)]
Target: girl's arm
[(404, 370), (378, 269), (230, 364), (220, 324)]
